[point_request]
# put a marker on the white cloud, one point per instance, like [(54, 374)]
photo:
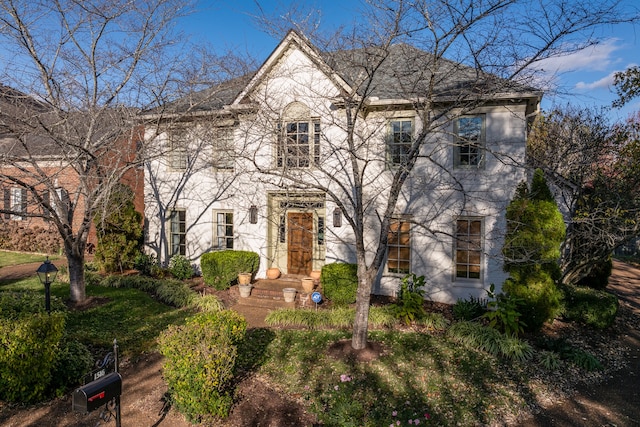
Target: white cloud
[(593, 58), (603, 83)]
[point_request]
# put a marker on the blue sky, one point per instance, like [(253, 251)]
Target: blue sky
[(584, 78)]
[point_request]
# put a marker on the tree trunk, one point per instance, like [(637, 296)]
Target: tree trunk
[(76, 276), (363, 299)]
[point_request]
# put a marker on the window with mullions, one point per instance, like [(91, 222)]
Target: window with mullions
[(298, 144), (177, 154), (399, 247), (15, 199), (399, 141), (469, 141), (178, 232), (223, 231), (468, 251), (223, 153)]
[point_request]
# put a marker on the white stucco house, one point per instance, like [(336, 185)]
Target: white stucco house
[(276, 163)]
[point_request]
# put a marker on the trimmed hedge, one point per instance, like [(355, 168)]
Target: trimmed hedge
[(28, 350), (340, 282), (220, 269), (200, 363)]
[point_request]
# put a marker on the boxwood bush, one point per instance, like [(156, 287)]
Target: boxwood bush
[(29, 341), (340, 282), (220, 269), (200, 362)]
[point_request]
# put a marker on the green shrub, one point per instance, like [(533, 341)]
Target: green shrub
[(208, 303), (592, 307), (537, 295), (180, 267), (16, 304), (535, 232), (200, 362), (28, 347), (598, 278), (119, 231), (490, 340), (175, 293), (220, 269), (568, 352), (340, 282), (469, 309), (409, 306), (503, 313), (73, 361), (145, 263)]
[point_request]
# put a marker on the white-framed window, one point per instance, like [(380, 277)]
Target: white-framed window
[(177, 154), (399, 246), (178, 232), (298, 144), (222, 230), (468, 248), (15, 200), (469, 145), (223, 155), (399, 141)]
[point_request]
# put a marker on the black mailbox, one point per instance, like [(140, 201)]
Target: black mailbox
[(97, 393)]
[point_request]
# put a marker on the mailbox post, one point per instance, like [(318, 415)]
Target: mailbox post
[(105, 390)]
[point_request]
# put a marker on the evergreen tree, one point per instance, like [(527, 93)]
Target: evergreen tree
[(119, 231), (535, 232)]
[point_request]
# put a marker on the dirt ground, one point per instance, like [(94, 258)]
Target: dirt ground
[(614, 402)]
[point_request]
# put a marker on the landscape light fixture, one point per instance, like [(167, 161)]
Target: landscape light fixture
[(47, 274)]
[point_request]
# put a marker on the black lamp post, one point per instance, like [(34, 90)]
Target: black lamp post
[(47, 274)]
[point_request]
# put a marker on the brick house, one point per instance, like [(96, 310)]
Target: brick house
[(37, 178)]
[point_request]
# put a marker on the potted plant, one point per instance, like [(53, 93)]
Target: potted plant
[(289, 294), (273, 273), (244, 278), (245, 290), (307, 284)]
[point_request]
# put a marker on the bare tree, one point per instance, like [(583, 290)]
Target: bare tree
[(442, 59), (590, 162), (81, 72)]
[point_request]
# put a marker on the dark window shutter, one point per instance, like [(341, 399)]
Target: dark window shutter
[(7, 202), (46, 200), (23, 202)]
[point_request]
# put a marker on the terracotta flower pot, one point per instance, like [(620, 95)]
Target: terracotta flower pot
[(307, 284), (273, 273), (315, 274), (244, 278)]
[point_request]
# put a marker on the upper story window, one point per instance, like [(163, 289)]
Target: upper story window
[(177, 151), (298, 138), (223, 150), (469, 141), (468, 248), (399, 141)]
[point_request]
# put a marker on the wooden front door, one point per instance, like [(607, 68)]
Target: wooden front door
[(300, 242)]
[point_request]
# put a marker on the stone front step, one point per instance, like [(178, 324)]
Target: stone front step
[(267, 293)]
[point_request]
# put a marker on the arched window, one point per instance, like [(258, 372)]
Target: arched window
[(298, 138)]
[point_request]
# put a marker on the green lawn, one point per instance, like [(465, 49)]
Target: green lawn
[(131, 316), (14, 258), (423, 377)]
